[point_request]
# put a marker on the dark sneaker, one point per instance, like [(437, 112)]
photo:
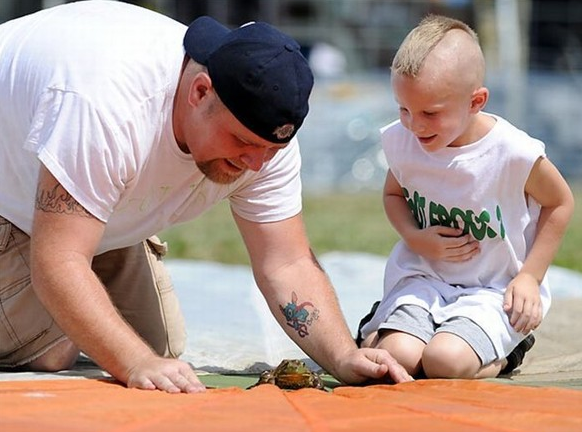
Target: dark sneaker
[(515, 357), (365, 321)]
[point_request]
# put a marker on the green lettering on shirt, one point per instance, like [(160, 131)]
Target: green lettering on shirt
[(478, 225)]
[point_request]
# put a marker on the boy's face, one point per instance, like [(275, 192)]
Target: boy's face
[(434, 109)]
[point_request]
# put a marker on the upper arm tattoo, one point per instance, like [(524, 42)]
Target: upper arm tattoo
[(58, 200)]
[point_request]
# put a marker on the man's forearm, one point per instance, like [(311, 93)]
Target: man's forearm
[(305, 305), (75, 298)]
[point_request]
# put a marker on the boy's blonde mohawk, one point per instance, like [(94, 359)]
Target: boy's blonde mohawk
[(421, 41)]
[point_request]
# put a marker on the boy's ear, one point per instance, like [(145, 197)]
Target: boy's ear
[(479, 99)]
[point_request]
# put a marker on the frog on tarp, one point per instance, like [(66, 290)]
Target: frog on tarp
[(291, 375)]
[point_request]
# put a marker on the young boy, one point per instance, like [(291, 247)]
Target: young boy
[(480, 209)]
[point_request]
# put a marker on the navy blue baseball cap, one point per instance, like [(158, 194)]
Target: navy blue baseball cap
[(257, 71)]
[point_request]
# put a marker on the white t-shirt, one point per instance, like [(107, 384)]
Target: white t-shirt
[(87, 89), (479, 188)]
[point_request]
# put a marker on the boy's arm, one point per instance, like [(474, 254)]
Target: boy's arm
[(397, 209), (435, 242), (547, 186)]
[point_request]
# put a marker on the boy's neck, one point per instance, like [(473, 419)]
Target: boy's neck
[(480, 126)]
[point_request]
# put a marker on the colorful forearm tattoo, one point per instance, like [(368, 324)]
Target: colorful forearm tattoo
[(299, 316)]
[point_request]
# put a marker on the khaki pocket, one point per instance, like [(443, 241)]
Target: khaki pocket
[(23, 319), (157, 246), (5, 228)]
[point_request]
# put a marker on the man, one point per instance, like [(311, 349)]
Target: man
[(116, 123)]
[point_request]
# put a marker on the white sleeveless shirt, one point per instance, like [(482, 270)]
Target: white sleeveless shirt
[(480, 189)]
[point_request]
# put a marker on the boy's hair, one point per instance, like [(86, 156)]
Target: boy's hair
[(422, 39)]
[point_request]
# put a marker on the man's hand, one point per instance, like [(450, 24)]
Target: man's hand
[(442, 243), (169, 375), (366, 364), (523, 304)]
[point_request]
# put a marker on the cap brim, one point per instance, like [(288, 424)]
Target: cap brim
[(203, 37)]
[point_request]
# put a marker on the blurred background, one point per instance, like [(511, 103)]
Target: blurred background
[(533, 50)]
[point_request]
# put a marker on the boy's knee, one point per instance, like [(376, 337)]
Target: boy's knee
[(446, 362), (406, 350)]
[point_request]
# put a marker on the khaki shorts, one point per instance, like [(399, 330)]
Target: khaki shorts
[(135, 278)]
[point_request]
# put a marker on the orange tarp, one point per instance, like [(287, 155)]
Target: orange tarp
[(88, 405)]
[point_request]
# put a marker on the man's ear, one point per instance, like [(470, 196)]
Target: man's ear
[(199, 88), (479, 99)]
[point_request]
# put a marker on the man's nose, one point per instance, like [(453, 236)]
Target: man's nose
[(254, 159)]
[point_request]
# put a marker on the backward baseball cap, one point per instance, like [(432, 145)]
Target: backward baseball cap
[(257, 71)]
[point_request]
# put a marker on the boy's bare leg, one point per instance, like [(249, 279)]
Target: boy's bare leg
[(449, 356), (405, 348)]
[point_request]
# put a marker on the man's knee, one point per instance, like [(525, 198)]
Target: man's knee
[(60, 357), (141, 288)]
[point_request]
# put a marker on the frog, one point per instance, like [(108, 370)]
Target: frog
[(291, 374)]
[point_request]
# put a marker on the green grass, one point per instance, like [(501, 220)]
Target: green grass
[(211, 237), (334, 222)]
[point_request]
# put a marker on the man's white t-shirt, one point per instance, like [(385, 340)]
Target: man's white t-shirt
[(87, 90)]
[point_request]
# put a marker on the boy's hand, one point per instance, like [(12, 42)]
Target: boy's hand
[(523, 303), (443, 243)]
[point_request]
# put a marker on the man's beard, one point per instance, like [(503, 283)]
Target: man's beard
[(212, 170)]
